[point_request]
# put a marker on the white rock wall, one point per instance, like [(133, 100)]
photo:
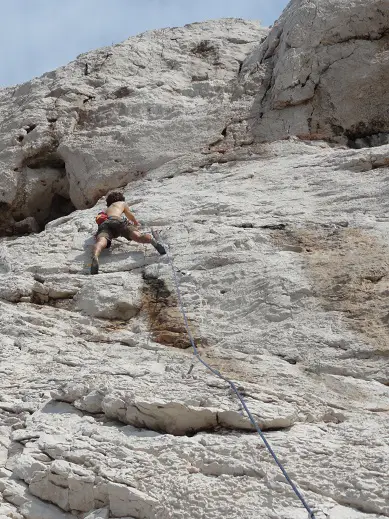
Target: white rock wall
[(281, 254), (322, 72), (282, 263), (113, 114)]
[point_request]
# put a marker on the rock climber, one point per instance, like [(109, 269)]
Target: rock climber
[(115, 222)]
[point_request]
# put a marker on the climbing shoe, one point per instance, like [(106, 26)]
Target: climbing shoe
[(94, 269), (159, 247)]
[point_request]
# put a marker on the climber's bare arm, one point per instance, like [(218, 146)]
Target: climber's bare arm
[(129, 215)]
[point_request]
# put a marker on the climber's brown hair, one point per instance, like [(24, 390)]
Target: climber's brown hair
[(115, 196)]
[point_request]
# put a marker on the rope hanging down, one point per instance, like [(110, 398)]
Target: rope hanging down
[(216, 372)]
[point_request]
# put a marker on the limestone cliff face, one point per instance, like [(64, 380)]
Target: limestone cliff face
[(322, 72), (281, 253), (116, 113)]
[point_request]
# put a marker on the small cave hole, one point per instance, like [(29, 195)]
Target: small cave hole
[(44, 159), (371, 135), (35, 222), (368, 141), (60, 206), (33, 215)]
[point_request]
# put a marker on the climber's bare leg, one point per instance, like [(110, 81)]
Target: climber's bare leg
[(148, 238), (141, 238), (101, 244)]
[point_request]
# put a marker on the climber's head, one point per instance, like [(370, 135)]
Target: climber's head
[(115, 196)]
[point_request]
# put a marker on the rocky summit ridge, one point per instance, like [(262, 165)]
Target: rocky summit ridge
[(261, 157)]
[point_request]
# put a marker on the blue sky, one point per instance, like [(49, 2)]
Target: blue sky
[(41, 35)]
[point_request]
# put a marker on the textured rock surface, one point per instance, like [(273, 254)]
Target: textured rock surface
[(322, 72), (281, 252), (282, 262), (115, 113)]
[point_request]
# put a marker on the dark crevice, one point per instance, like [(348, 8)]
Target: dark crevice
[(205, 49), (60, 206), (244, 225), (46, 156), (269, 86), (290, 360), (303, 83), (100, 65), (368, 141), (30, 127), (48, 200), (190, 434), (87, 99), (274, 227), (40, 299), (35, 222), (49, 160), (360, 37), (363, 135), (152, 419)]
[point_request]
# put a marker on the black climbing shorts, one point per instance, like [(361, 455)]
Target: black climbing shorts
[(113, 228)]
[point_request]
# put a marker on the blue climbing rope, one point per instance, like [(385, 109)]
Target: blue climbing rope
[(216, 372)]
